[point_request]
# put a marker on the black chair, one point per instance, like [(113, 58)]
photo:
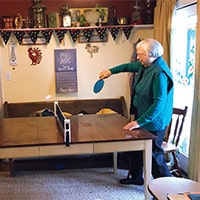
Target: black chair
[(171, 141)]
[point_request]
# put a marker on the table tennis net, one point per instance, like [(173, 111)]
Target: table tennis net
[(64, 123)]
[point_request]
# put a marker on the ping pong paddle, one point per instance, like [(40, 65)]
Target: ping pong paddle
[(98, 86)]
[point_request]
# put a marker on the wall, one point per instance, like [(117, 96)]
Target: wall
[(34, 82), (23, 6), (12, 7), (122, 7)]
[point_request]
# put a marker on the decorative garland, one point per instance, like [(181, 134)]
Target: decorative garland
[(60, 33)]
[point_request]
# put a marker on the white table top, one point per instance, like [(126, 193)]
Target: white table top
[(160, 187)]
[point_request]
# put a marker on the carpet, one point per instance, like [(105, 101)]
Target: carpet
[(69, 184)]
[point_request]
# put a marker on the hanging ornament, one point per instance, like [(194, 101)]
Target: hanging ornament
[(92, 49), (35, 55), (12, 54)]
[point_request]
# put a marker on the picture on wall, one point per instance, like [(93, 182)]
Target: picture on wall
[(66, 71), (76, 13)]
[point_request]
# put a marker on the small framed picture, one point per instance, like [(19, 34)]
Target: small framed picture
[(77, 12), (40, 41), (94, 38), (75, 16)]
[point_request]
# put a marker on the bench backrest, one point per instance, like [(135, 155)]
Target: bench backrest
[(90, 106)]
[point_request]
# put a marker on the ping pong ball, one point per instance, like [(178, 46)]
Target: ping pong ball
[(48, 97)]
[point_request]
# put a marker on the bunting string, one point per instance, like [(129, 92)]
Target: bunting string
[(60, 33)]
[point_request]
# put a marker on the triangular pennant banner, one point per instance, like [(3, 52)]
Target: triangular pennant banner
[(114, 32), (60, 34), (88, 33), (33, 35), (101, 32), (19, 35), (47, 34), (74, 34), (5, 35), (127, 31)]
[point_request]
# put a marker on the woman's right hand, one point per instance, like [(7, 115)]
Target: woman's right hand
[(105, 74)]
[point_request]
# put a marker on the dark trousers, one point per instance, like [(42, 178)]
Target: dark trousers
[(159, 167)]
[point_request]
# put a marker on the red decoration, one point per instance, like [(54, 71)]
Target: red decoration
[(35, 55)]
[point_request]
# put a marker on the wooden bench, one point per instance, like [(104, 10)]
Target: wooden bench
[(74, 107)]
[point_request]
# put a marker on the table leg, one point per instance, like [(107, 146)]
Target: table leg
[(114, 162), (147, 156)]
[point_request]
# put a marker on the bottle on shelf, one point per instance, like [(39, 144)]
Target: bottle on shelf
[(136, 14), (147, 13), (66, 16)]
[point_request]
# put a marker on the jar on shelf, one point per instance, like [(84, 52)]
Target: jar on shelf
[(136, 17), (66, 16), (38, 18), (112, 16), (147, 13)]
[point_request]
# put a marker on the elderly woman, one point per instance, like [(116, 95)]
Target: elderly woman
[(151, 104)]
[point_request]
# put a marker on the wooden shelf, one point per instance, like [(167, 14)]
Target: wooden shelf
[(79, 28), (74, 32)]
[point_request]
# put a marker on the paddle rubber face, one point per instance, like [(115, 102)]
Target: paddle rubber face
[(98, 85)]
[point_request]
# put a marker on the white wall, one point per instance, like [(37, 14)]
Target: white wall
[(34, 82)]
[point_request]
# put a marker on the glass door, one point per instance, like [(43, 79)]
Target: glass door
[(183, 68)]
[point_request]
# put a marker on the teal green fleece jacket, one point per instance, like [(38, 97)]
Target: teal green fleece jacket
[(154, 97)]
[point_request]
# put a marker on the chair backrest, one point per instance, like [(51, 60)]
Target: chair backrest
[(175, 127)]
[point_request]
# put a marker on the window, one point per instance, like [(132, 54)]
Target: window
[(183, 66)]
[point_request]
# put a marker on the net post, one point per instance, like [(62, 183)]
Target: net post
[(55, 104), (67, 132)]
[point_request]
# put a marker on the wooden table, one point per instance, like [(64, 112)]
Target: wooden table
[(160, 187), (42, 136)]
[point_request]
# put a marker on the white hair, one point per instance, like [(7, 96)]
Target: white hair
[(152, 46)]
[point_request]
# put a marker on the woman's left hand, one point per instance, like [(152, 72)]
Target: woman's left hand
[(131, 125)]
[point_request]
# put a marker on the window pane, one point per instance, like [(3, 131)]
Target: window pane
[(182, 65)]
